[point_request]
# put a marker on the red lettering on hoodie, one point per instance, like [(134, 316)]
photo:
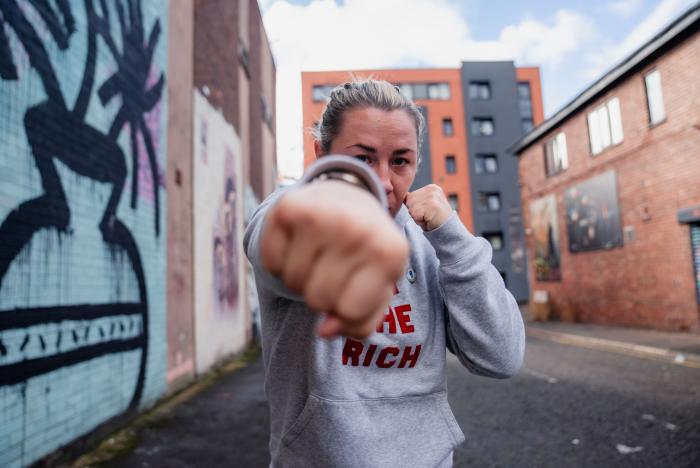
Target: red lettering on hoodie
[(381, 360), (352, 351), (409, 357)]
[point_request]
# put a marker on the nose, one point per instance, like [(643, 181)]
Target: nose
[(384, 175)]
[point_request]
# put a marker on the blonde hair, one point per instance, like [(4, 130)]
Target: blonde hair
[(355, 94)]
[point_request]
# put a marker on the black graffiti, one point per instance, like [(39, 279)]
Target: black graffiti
[(56, 132), (130, 81), (81, 315)]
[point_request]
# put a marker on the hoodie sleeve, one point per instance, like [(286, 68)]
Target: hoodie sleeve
[(251, 246), (484, 326)]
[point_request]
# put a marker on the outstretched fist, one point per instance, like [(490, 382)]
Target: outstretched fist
[(337, 246)]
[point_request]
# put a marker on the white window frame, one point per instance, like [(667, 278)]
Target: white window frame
[(605, 126), (556, 155), (655, 97)]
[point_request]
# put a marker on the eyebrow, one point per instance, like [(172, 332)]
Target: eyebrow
[(369, 149)]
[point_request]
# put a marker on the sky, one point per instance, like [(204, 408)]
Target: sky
[(573, 42)]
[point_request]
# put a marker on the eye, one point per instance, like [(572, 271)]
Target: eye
[(363, 158), (400, 162)]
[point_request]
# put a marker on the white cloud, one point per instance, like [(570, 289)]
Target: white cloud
[(625, 8), (605, 58), (392, 33), (538, 43)]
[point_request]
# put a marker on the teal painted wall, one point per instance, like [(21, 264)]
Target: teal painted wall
[(83, 130)]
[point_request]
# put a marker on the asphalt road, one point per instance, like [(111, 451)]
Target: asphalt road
[(573, 407), (569, 407)]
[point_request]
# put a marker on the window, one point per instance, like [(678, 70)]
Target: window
[(482, 126), (524, 99), (450, 164), (479, 90), (556, 158), (420, 91), (486, 164), (655, 98), (605, 126), (447, 128), (438, 91), (524, 90), (525, 107), (435, 91), (406, 89), (321, 92), (244, 58), (495, 239), (489, 201), (454, 201)]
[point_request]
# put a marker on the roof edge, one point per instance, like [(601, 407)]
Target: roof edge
[(666, 36)]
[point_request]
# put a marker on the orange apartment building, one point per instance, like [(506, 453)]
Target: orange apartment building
[(473, 114)]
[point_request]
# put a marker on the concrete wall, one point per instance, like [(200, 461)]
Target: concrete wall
[(649, 281), (222, 323), (82, 221)]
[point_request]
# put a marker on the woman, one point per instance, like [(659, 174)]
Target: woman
[(366, 386)]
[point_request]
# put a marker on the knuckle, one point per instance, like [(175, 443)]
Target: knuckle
[(316, 299), (292, 279)]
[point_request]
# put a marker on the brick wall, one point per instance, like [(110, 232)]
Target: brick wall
[(181, 368), (649, 281), (262, 98), (82, 222)]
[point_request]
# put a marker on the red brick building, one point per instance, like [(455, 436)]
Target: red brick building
[(610, 188), (219, 50)]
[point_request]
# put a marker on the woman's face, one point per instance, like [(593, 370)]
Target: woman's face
[(386, 140)]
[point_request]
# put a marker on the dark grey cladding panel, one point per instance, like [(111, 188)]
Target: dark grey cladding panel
[(503, 108), (489, 222), (424, 176)]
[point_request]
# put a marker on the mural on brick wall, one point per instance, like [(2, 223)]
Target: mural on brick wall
[(82, 248), (226, 241), (545, 233), (593, 214), (221, 325)]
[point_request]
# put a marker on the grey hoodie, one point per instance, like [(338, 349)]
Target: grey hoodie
[(382, 402)]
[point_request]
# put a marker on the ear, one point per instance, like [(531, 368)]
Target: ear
[(318, 150)]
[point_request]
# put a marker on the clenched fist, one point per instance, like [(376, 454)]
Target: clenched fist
[(337, 246), (428, 207)]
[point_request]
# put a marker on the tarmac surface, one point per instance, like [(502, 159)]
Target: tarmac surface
[(575, 403)]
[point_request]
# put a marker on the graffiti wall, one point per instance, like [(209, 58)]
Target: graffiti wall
[(221, 326), (593, 214), (82, 237), (545, 231)]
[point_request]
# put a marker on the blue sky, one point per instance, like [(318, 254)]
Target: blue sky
[(573, 42)]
